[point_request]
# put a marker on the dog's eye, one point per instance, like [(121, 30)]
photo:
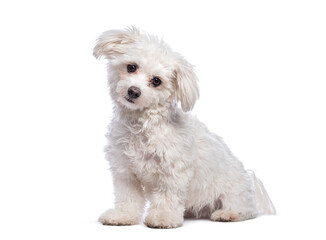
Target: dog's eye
[(131, 68), (156, 81)]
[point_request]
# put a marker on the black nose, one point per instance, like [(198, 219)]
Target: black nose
[(134, 92)]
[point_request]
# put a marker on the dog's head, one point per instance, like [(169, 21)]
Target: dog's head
[(144, 72)]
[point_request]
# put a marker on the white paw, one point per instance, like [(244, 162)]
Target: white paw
[(226, 216), (163, 219), (118, 218)]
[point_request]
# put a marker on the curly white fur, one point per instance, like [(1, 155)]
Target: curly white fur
[(160, 153)]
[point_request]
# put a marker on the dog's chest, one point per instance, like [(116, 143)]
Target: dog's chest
[(144, 153), (151, 151)]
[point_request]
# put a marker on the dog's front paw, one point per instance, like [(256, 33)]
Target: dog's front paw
[(118, 218), (163, 219)]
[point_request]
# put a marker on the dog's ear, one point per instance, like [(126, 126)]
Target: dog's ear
[(187, 91), (115, 42)]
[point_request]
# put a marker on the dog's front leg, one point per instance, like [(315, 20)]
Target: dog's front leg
[(166, 206), (129, 202)]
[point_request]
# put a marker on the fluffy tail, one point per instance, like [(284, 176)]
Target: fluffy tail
[(263, 202)]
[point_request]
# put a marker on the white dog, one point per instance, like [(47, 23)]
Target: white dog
[(160, 153)]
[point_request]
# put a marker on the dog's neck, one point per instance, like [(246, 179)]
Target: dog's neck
[(145, 119)]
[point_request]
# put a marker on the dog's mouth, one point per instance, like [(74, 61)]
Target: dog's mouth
[(129, 100)]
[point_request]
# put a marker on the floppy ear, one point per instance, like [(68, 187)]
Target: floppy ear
[(115, 42), (187, 91)]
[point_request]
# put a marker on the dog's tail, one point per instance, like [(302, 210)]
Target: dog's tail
[(263, 202)]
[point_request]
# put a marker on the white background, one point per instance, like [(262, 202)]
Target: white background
[(262, 71)]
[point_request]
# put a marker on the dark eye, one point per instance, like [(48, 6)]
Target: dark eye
[(131, 68), (156, 81)]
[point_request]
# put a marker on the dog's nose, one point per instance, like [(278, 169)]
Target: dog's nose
[(134, 92)]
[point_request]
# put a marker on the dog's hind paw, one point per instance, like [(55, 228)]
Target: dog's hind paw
[(225, 216)]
